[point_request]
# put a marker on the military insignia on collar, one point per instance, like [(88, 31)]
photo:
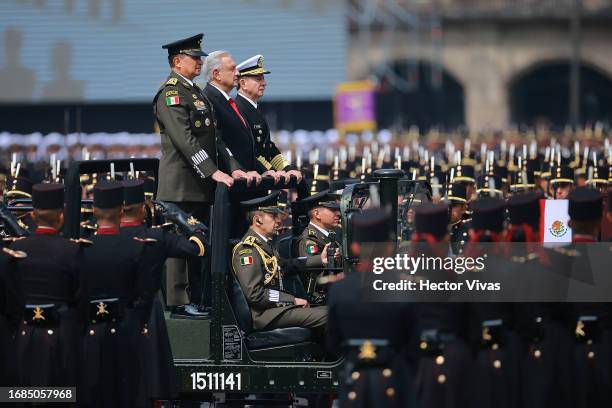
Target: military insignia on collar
[(172, 81), (312, 249)]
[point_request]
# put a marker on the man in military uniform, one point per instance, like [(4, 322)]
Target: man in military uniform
[(158, 370), (47, 341), (11, 311), (324, 215), (194, 157), (114, 271), (251, 87), (370, 335), (561, 182), (441, 328), (256, 265), (590, 322), (319, 235), (169, 245), (458, 205)]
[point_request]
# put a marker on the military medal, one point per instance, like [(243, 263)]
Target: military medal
[(207, 122), (198, 123)]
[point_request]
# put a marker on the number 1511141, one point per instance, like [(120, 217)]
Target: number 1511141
[(216, 381)]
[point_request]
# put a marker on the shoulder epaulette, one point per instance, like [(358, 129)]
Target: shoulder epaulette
[(145, 240), (164, 225), (15, 254), (12, 239), (250, 241), (172, 81), (82, 242), (87, 225), (567, 252)]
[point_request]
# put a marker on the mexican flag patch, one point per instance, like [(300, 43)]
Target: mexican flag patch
[(246, 260), (312, 249), (173, 100)]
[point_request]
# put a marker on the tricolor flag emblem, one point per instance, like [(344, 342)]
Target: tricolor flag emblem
[(312, 249), (246, 260), (173, 100)]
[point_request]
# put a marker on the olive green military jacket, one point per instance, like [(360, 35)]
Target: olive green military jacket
[(192, 149), (312, 241), (257, 268)]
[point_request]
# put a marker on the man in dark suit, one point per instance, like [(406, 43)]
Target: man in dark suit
[(221, 74), (251, 87)]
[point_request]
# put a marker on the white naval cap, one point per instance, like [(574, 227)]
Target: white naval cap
[(252, 66)]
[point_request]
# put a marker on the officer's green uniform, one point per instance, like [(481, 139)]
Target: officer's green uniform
[(191, 152), (257, 268), (312, 240), (191, 148)]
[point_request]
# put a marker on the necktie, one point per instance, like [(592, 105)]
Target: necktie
[(235, 108)]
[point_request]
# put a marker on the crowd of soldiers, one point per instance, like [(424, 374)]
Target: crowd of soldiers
[(85, 311)]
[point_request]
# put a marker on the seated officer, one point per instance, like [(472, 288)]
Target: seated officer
[(47, 340), (256, 265), (320, 234), (324, 215)]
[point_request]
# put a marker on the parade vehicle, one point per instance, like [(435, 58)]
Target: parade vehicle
[(221, 358)]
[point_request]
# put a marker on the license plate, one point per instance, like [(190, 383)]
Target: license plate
[(216, 381)]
